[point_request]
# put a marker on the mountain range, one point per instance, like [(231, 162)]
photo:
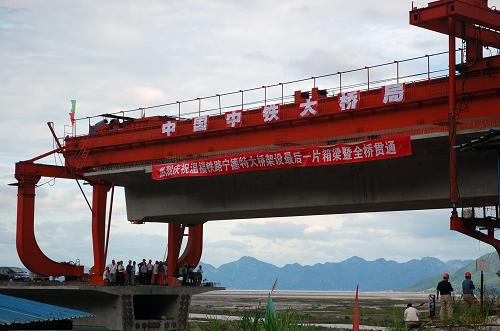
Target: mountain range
[(248, 273), (491, 279)]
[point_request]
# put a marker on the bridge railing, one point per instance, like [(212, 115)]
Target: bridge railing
[(366, 78)]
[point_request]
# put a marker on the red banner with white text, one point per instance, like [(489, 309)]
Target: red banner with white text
[(305, 157)]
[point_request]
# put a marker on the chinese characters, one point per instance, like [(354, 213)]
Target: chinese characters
[(168, 128), (346, 101), (313, 156)]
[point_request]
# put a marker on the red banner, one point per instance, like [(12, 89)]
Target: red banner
[(305, 157)]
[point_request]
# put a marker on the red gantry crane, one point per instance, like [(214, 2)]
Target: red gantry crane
[(346, 113)]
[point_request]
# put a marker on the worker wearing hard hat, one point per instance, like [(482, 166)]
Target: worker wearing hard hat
[(468, 290), (444, 291)]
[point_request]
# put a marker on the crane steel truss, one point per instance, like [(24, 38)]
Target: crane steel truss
[(129, 141)]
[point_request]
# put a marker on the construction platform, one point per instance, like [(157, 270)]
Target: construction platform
[(140, 307)]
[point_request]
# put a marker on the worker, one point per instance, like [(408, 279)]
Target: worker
[(143, 272), (468, 291), (154, 275), (445, 290), (130, 273), (105, 276), (150, 272), (198, 276), (134, 269), (161, 273), (120, 273), (190, 275), (183, 272), (411, 317), (112, 272)]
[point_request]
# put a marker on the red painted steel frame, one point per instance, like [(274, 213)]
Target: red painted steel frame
[(452, 113), (175, 233), (430, 106), (425, 109), (28, 174), (469, 229), (474, 20), (192, 252), (99, 196), (478, 25)]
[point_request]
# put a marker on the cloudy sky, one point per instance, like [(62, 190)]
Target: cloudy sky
[(116, 55)]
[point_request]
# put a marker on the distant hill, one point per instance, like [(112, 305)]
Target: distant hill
[(248, 273), (491, 279)]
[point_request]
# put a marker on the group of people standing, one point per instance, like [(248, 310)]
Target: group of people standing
[(445, 292), (144, 273), (445, 296)]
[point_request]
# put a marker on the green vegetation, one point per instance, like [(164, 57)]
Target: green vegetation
[(258, 320), (376, 312), (262, 320), (309, 313), (465, 317), (306, 312)]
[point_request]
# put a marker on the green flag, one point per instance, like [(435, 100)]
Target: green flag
[(72, 112)]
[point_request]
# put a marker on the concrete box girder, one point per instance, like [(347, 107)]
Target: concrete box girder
[(420, 181)]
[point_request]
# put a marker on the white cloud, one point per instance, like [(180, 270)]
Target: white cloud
[(316, 229)]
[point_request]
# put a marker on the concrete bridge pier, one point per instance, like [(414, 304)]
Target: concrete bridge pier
[(117, 307)]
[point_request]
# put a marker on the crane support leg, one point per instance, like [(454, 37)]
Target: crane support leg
[(99, 196), (28, 174), (175, 233), (194, 246), (191, 254), (452, 115)]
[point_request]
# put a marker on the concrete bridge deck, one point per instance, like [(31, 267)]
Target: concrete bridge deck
[(419, 181), (136, 307)]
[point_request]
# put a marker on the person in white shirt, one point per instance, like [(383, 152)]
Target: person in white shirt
[(143, 272), (105, 275), (120, 274), (411, 317), (112, 272), (154, 278), (150, 272)]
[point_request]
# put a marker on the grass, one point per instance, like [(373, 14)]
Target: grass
[(472, 316), (256, 320), (464, 316), (328, 311), (299, 314), (260, 319)]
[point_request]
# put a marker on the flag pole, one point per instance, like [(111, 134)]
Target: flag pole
[(355, 318)]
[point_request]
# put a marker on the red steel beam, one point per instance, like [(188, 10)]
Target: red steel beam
[(194, 246), (473, 20), (43, 170), (99, 196), (426, 105), (28, 175), (468, 228), (452, 114), (175, 234)]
